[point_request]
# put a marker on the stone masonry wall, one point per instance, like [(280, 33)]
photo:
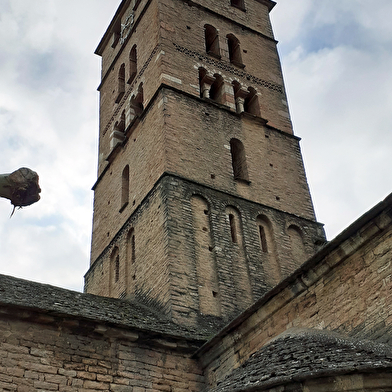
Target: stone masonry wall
[(143, 272), (183, 43), (197, 140), (349, 291), (254, 16), (145, 36), (144, 152), (243, 271), (64, 357)]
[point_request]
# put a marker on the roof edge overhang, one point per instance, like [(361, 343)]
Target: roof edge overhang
[(269, 3)]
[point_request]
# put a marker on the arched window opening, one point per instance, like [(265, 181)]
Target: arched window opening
[(204, 88), (136, 103), (297, 245), (216, 90), (125, 187), (238, 4), (236, 87), (114, 269), (265, 234), (263, 239), (268, 255), (251, 104), (140, 95), (238, 160), (133, 249), (212, 40), (132, 64), (234, 50), (233, 229), (121, 83), (235, 226), (207, 277), (237, 254)]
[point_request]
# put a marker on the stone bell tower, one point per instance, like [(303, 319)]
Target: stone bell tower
[(201, 202)]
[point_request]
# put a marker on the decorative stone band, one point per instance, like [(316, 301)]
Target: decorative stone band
[(224, 66)]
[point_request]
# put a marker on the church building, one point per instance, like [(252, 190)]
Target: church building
[(208, 271)]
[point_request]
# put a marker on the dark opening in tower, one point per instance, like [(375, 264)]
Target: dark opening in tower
[(212, 40), (234, 50), (238, 160)]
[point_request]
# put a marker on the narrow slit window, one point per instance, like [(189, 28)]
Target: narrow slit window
[(233, 229), (125, 187), (132, 64), (133, 252), (117, 269), (114, 270), (121, 83), (131, 269), (263, 239)]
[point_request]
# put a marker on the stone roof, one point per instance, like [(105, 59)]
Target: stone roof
[(55, 301), (297, 355)]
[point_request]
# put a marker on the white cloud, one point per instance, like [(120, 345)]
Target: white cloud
[(340, 98), (49, 122)]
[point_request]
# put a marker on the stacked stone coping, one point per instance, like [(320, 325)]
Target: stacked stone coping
[(363, 230), (53, 304), (301, 354)]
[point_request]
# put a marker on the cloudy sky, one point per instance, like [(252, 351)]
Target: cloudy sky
[(337, 62)]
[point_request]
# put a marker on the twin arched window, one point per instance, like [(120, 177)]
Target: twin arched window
[(121, 74), (213, 49)]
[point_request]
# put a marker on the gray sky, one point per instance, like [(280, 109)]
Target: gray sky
[(337, 62)]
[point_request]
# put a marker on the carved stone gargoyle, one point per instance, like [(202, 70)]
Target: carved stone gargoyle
[(20, 186)]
